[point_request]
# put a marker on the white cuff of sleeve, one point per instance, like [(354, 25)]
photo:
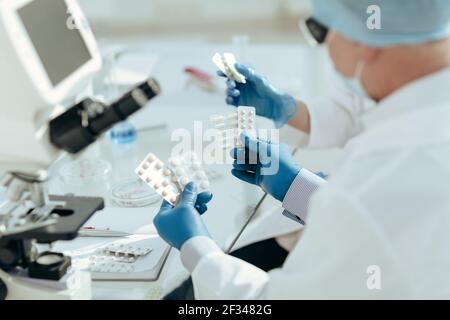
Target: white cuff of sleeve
[(196, 249), (297, 199)]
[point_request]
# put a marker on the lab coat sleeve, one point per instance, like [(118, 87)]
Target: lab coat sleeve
[(330, 262), (201, 254), (297, 200), (335, 119)]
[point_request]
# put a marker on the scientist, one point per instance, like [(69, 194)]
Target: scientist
[(379, 227)]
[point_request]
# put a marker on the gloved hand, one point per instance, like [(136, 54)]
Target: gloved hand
[(202, 201), (258, 93), (265, 164), (178, 224)]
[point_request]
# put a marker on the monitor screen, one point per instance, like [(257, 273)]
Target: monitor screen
[(57, 42)]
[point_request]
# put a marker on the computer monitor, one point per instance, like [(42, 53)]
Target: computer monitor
[(54, 43), (48, 56)]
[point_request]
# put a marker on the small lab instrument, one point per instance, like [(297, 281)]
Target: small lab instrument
[(201, 79), (133, 193), (85, 177), (101, 233)]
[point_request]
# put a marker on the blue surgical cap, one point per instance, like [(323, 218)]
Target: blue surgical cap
[(403, 22)]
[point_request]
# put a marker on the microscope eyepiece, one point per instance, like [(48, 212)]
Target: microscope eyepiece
[(83, 123)]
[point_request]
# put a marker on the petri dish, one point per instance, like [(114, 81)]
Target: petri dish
[(86, 177), (133, 193)]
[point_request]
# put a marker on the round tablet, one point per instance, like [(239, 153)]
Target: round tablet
[(184, 181), (193, 156), (159, 166), (204, 184), (165, 183), (167, 172), (200, 175), (151, 158), (175, 162), (179, 171)]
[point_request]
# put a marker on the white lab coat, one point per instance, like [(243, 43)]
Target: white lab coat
[(385, 210), (346, 114)]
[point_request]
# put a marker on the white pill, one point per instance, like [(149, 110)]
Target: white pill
[(179, 171), (145, 166), (148, 180), (184, 181), (165, 183), (200, 175), (165, 193), (217, 118), (156, 186), (151, 158), (175, 162), (159, 166), (204, 184), (173, 199)]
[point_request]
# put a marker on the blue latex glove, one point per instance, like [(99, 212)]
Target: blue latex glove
[(258, 93), (178, 224), (254, 162), (202, 202)]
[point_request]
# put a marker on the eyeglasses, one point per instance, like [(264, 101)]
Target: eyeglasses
[(314, 32)]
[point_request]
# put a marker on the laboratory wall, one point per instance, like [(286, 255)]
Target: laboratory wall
[(214, 20)]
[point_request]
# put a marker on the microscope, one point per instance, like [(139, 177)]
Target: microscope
[(48, 56)]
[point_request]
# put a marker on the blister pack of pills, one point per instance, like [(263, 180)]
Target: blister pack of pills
[(160, 178), (99, 264), (134, 250), (233, 124), (119, 256), (187, 168), (226, 63)]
